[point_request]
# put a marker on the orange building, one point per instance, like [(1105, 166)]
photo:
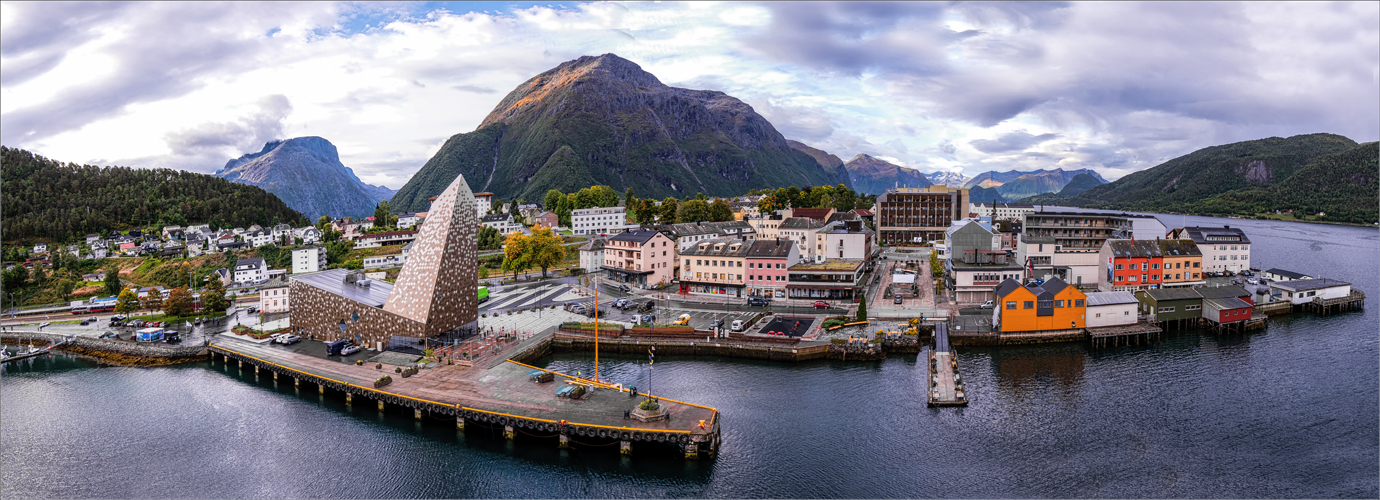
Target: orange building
[(1053, 305)]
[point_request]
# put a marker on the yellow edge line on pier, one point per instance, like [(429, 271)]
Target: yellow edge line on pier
[(457, 405), (710, 408)]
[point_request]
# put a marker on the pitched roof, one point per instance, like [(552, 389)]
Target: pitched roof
[(1287, 274), (495, 218), (637, 235), (719, 247), (1005, 287), (1178, 248), (774, 248), (1217, 292), (1161, 294), (1227, 303), (1110, 298), (813, 213), (593, 245), (800, 223), (1132, 249), (1214, 235), (1053, 285), (1313, 284), (863, 212)]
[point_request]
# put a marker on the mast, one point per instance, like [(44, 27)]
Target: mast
[(596, 333)]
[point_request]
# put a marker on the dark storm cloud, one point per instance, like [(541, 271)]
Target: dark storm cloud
[(1015, 141)]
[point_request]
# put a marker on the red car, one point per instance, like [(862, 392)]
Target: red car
[(819, 304)]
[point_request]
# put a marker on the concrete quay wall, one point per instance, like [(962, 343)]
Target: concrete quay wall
[(114, 351)]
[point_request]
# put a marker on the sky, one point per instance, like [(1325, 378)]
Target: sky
[(962, 87)]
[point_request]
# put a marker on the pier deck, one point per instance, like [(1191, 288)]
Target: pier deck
[(502, 394), (945, 388)]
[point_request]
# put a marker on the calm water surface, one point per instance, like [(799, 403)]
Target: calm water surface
[(1289, 412)]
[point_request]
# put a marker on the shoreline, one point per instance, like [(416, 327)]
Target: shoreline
[(1333, 223)]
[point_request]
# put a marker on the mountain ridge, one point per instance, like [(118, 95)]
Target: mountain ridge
[(306, 173), (608, 122), (872, 175)]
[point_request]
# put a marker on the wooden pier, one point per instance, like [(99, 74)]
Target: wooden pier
[(1353, 302), (39, 352), (1124, 335), (504, 396), (945, 384)]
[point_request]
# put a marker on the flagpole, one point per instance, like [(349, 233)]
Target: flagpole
[(596, 333)]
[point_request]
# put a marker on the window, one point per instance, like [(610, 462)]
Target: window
[(1193, 308), (1166, 309), (1059, 303), (1119, 267), (1029, 304), (1099, 315), (1077, 302), (1197, 264), (1010, 305), (1046, 304), (1132, 277)]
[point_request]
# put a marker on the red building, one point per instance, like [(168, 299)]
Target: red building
[(1226, 292), (1226, 310), (1129, 265)]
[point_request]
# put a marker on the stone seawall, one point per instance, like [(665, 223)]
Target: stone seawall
[(726, 349), (118, 352)]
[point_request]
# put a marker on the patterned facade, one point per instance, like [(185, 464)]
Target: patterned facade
[(436, 291)]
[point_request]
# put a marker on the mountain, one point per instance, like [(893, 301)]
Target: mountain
[(873, 176), (1015, 184), (306, 173), (824, 159), (951, 179), (62, 202), (1079, 184), (1306, 174), (979, 194), (604, 121), (1042, 181)]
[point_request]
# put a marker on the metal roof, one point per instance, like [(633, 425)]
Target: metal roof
[(1314, 284), (333, 281), (1162, 294), (1228, 303), (1287, 274), (1110, 298), (1218, 292)]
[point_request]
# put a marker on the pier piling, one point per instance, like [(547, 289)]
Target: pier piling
[(692, 451), (417, 414), (508, 432), (459, 422), (349, 399), (625, 447), (565, 441)]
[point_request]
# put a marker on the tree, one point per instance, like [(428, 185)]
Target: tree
[(179, 302), (553, 200), (545, 249), (719, 211), (645, 211), (563, 209), (154, 300), (489, 238), (213, 297), (513, 209), (127, 302), (769, 204), (323, 223), (381, 213), (669, 210), (693, 211), (862, 307), (15, 278), (628, 198), (515, 255)]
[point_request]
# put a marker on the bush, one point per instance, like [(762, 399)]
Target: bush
[(397, 369), (648, 405)]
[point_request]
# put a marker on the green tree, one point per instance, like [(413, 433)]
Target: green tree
[(323, 223), (545, 249), (213, 297), (552, 201), (381, 213), (693, 211), (179, 302), (862, 307), (489, 238), (15, 278), (154, 300), (719, 211), (645, 211), (629, 199), (769, 204), (564, 208), (845, 199), (127, 302)]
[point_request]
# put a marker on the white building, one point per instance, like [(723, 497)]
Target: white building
[(308, 234), (40, 248), (282, 234), (599, 220), (801, 230), (250, 270), (1304, 291), (592, 255), (258, 238), (482, 203), (845, 239), (389, 238), (1005, 211), (1225, 249), (1111, 309), (273, 296), (308, 259), (407, 219), (502, 222)]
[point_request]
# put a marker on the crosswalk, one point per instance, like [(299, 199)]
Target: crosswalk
[(544, 294)]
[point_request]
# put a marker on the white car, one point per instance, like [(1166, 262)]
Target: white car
[(349, 349), (737, 325), (44, 324), (988, 305), (275, 338)]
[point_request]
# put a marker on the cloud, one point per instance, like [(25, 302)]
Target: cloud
[(802, 123), (248, 134), (1015, 141)]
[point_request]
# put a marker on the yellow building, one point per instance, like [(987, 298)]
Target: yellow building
[(1183, 263), (1053, 305)]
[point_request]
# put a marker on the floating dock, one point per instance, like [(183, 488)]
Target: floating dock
[(505, 395)]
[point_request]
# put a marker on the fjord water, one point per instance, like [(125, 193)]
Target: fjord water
[(1289, 412)]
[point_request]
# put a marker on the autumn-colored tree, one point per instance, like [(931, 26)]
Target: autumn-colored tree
[(127, 302), (515, 255), (213, 297), (545, 248), (179, 302), (154, 300)]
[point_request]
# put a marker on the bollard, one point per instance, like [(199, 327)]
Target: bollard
[(625, 447), (508, 432), (565, 441)]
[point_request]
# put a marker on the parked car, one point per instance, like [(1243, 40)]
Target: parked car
[(334, 348), (819, 304), (988, 305), (108, 335), (1247, 272), (85, 322), (1253, 281), (138, 323), (118, 317), (898, 300), (251, 310), (289, 339), (349, 349), (737, 325), (172, 337), (273, 339), (577, 308), (758, 301), (623, 303), (44, 324), (717, 324), (684, 319), (646, 307), (625, 288), (645, 319)]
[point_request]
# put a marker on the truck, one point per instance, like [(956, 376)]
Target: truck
[(483, 294)]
